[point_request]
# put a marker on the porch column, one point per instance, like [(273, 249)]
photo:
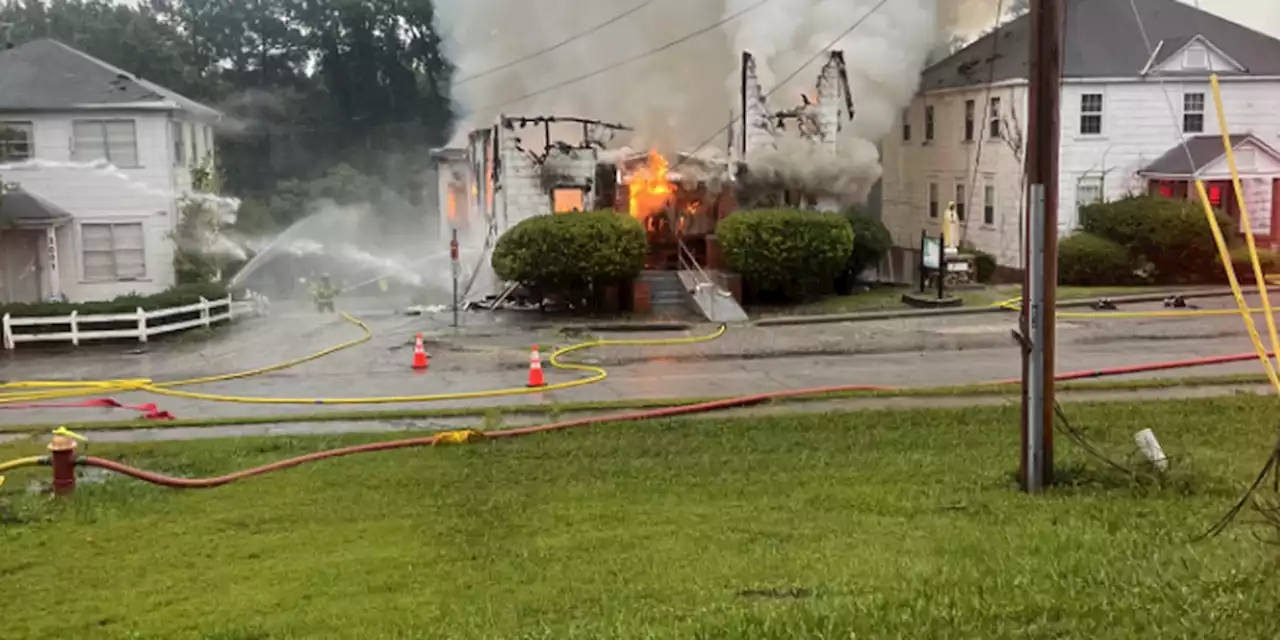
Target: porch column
[(52, 285)]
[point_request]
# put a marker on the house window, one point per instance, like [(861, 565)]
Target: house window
[(1091, 114), (1088, 191), (179, 144), (567, 200), (960, 202), (113, 251), (993, 120), (1193, 113), (989, 205), (1196, 58), (15, 141), (968, 120), (906, 126), (933, 200), (928, 122), (115, 141)]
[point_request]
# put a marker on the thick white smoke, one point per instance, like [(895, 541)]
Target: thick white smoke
[(680, 97)]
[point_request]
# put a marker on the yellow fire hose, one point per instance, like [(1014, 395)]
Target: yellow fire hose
[(58, 389)]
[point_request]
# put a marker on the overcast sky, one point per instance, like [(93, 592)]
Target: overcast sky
[(1259, 15)]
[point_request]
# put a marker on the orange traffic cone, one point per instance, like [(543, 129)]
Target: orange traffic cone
[(535, 369), (419, 355)]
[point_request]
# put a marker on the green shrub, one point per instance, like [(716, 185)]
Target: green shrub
[(871, 241), (1173, 236), (1088, 260), (178, 296), (791, 252), (984, 263), (1270, 261), (569, 253)]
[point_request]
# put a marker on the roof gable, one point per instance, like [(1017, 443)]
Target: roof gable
[(1204, 152), (1194, 56), (46, 74), (1103, 40)]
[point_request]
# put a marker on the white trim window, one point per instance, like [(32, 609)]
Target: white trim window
[(928, 123), (970, 108), (1089, 190), (1193, 113), (115, 141), (113, 252), (15, 141), (933, 200), (989, 204), (1091, 114), (993, 120), (961, 201), (179, 143)]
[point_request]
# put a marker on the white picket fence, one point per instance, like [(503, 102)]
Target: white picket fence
[(76, 328)]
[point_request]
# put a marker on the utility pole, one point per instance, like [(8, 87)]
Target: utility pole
[(1044, 92), (456, 266)]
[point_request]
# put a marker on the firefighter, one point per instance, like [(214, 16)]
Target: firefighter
[(323, 292)]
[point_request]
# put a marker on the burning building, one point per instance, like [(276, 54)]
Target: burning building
[(522, 167)]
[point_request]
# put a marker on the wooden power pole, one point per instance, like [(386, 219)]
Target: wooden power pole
[(1044, 92)]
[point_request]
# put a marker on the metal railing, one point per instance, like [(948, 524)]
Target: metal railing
[(76, 328)]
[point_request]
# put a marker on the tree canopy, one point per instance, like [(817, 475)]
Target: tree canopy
[(306, 84)]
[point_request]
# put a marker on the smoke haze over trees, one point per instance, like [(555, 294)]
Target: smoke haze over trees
[(306, 84)]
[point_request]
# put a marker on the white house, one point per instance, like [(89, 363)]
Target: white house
[(100, 159), (1125, 111)]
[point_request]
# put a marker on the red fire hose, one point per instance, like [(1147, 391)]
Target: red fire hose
[(703, 407), (149, 410)]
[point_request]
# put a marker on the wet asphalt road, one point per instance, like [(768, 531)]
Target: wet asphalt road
[(486, 355)]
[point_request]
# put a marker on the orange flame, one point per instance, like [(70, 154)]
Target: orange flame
[(651, 190)]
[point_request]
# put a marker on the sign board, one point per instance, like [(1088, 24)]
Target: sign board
[(931, 257), (1257, 198)]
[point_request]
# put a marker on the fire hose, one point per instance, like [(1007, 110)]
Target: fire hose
[(471, 436)]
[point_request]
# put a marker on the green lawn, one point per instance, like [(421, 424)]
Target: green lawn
[(872, 524), (890, 298)]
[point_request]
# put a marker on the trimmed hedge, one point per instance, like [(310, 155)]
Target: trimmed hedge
[(789, 252), (569, 253), (1240, 260), (178, 296), (871, 241), (1088, 260), (1170, 235)]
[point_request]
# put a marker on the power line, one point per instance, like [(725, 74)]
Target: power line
[(562, 43), (778, 86), (622, 63)]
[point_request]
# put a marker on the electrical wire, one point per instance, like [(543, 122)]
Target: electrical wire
[(502, 67), (626, 61), (1273, 460), (986, 129)]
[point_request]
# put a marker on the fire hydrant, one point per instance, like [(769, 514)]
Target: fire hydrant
[(62, 451)]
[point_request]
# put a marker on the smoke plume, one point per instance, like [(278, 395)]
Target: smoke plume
[(685, 95)]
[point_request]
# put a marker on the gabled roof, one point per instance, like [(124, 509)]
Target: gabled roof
[(1103, 40), (1167, 49), (1203, 151), (46, 74), (21, 207)]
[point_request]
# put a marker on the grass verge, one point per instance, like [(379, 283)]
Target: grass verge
[(874, 524), (570, 408), (890, 298)]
